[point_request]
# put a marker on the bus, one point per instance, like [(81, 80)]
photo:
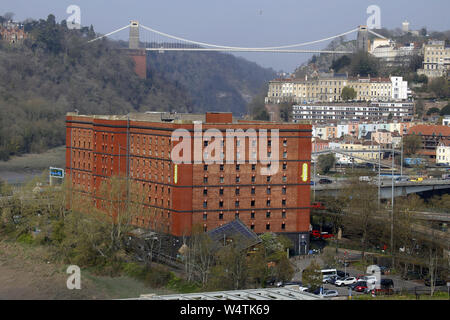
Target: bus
[(329, 272)]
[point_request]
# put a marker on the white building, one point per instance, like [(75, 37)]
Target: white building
[(443, 152), (446, 121), (399, 88)]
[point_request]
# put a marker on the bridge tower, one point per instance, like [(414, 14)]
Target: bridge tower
[(362, 40), (139, 55)]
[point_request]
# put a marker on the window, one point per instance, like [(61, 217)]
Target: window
[(205, 179), (284, 178), (205, 204), (205, 216), (268, 226), (284, 166), (253, 178), (205, 167), (284, 154), (283, 226), (221, 191), (221, 203), (221, 167), (237, 191), (283, 202), (253, 190), (221, 179), (252, 203), (285, 143), (238, 179), (236, 215), (268, 203), (220, 216), (283, 214), (205, 143), (252, 215), (236, 203), (268, 191), (283, 191), (205, 192), (252, 227), (253, 167), (238, 166), (268, 178)]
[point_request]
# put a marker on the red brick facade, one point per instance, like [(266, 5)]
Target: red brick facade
[(196, 194)]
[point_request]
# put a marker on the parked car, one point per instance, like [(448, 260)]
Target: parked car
[(412, 275), (330, 293), (325, 181), (370, 279), (387, 283), (342, 274), (360, 286), (437, 282), (345, 282)]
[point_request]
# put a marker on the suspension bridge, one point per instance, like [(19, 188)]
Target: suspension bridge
[(159, 41)]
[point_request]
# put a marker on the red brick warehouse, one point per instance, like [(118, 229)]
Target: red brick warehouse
[(188, 194)]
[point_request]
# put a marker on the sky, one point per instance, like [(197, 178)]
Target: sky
[(248, 23)]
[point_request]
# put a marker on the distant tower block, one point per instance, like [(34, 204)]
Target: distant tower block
[(134, 35), (139, 55), (362, 40), (405, 26)]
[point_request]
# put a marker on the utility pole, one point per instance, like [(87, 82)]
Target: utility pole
[(392, 208), (401, 160), (379, 175)]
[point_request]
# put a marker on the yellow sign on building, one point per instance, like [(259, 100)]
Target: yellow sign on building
[(305, 172)]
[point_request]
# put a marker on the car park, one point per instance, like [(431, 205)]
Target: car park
[(345, 282)]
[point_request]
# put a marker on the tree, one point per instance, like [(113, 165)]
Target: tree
[(440, 87), (433, 110), (420, 108), (325, 162), (360, 211), (286, 111), (348, 94), (364, 64), (312, 276), (341, 63), (411, 144), (445, 110)]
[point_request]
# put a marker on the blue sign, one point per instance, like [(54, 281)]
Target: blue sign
[(56, 172)]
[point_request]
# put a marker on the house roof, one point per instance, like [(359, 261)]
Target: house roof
[(429, 130)]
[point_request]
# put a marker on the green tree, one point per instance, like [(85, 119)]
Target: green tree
[(325, 162), (411, 144), (312, 276), (433, 110), (364, 64), (420, 108), (445, 110), (348, 94), (286, 111)]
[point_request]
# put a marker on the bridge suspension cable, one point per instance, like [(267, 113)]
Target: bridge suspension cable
[(109, 34), (244, 48)]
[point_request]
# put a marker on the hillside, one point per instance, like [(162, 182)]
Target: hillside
[(214, 81), (56, 71)]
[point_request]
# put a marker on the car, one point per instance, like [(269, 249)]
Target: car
[(342, 274), (345, 282), (325, 181), (437, 282), (412, 275), (369, 279), (330, 293), (387, 283), (360, 286)]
